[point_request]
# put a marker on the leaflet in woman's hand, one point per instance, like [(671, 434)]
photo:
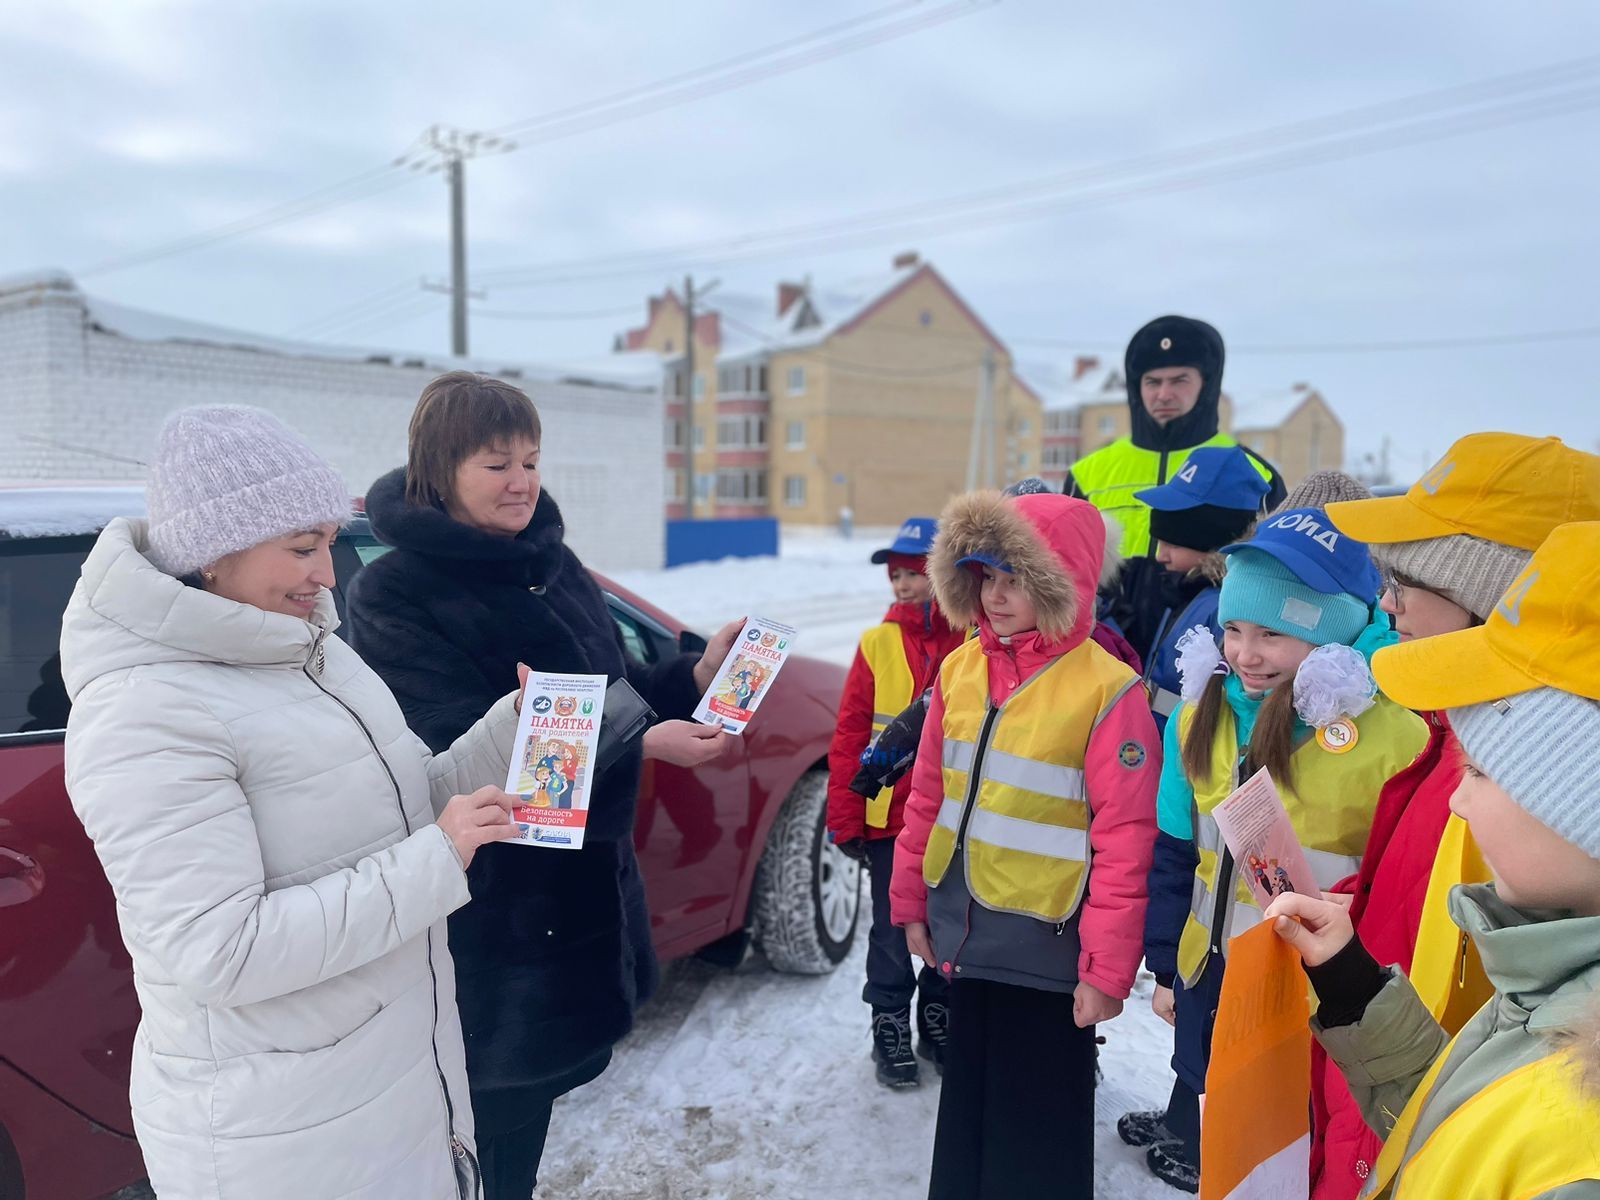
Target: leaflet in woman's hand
[(552, 761), (1266, 852), (746, 674)]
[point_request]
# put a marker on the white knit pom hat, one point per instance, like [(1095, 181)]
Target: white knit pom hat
[(227, 477)]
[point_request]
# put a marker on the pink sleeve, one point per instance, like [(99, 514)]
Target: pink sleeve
[(908, 894), (1121, 771)]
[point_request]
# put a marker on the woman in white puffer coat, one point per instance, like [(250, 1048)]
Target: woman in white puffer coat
[(282, 849)]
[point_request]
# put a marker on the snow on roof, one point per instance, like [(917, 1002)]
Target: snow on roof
[(30, 512), (1269, 410), (752, 327), (612, 370), (1057, 388)]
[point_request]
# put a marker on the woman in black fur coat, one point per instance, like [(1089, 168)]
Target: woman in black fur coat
[(553, 954)]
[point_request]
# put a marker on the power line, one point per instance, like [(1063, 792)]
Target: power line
[(620, 106), (1373, 347), (1290, 140), (657, 97), (506, 314)]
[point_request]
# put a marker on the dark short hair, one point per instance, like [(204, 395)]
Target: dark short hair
[(459, 414)]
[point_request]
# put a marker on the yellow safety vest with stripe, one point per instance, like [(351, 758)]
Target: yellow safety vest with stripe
[(1109, 477), (1014, 795), (1525, 1133), (1331, 806), (893, 690)]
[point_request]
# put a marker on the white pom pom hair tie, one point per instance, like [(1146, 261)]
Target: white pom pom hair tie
[(1199, 658), (1334, 683)]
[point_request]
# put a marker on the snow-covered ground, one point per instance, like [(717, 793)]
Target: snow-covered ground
[(749, 1083)]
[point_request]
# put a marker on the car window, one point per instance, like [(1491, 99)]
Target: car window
[(636, 639), (36, 580), (368, 549)]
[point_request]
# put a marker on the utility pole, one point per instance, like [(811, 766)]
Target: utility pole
[(981, 448), (447, 149), (688, 396), (689, 297), (989, 411)]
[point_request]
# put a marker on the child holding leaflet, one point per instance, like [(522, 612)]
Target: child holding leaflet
[(1021, 869), (1510, 1106), (896, 661), (1288, 693)]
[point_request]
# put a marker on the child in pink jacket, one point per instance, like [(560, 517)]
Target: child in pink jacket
[(1039, 758)]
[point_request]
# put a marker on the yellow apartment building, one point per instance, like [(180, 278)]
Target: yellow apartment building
[(859, 396)]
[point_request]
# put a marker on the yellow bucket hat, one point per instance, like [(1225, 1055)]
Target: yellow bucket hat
[(1502, 487), (1545, 632)]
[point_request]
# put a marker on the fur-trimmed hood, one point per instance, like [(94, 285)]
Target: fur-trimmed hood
[(1055, 545)]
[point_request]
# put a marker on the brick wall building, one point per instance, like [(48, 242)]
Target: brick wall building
[(87, 384)]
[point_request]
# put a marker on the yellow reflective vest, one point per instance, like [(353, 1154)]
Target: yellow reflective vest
[(1526, 1133), (1015, 804), (1109, 477), (1331, 806), (884, 648)]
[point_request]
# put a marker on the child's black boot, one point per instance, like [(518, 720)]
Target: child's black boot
[(891, 1048), (933, 1028), (1168, 1163)]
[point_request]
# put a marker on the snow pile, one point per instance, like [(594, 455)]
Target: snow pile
[(742, 1084), (822, 584), (59, 512)]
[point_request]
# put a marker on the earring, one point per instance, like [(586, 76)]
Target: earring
[(209, 576)]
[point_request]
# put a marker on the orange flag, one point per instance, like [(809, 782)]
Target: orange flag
[(1255, 1131)]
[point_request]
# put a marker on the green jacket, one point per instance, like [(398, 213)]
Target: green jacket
[(1546, 972)]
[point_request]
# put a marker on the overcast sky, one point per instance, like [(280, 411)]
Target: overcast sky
[(125, 124)]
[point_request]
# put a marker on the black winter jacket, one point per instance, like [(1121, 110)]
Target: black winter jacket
[(553, 954)]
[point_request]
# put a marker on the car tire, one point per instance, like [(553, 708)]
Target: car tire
[(807, 895)]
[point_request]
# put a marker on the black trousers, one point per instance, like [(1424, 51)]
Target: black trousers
[(891, 980), (1183, 1119), (511, 1127), (1016, 1109)]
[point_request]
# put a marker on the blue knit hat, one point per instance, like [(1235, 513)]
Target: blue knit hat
[(1258, 588)]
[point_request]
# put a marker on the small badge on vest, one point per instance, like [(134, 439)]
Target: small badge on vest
[(1338, 738), (1131, 755)]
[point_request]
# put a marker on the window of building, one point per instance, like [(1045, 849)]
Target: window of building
[(742, 487), (747, 431), (794, 491), (761, 378), (675, 433), (699, 437), (797, 381), (1022, 461), (796, 439), (699, 385), (1024, 427), (703, 483), (1108, 425), (674, 487)]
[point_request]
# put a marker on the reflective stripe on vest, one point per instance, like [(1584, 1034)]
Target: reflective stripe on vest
[(1110, 476), (1331, 806), (1164, 703), (893, 689), (1014, 789), (1526, 1132)]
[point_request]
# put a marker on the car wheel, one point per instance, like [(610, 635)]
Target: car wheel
[(807, 895)]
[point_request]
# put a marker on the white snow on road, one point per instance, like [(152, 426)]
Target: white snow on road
[(748, 1083)]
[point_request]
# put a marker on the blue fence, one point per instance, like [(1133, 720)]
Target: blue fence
[(704, 541)]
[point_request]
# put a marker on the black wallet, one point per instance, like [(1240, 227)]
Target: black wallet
[(626, 716)]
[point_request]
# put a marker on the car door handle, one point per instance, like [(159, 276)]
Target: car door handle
[(21, 877)]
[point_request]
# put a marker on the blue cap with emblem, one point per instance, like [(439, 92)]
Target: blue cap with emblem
[(1221, 476), (915, 538)]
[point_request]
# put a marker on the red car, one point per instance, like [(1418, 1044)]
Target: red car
[(730, 851)]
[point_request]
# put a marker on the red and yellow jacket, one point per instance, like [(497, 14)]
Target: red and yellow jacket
[(888, 673)]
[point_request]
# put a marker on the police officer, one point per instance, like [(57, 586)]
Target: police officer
[(1173, 368)]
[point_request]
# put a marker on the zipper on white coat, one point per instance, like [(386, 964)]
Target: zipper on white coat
[(318, 656)]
